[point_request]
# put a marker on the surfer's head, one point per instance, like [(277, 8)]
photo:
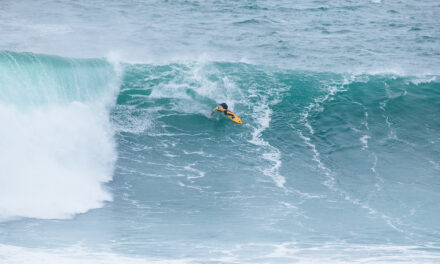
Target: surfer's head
[(224, 105)]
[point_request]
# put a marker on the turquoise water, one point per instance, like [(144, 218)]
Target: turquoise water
[(108, 155)]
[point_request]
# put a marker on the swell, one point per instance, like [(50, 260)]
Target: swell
[(369, 140), (57, 142), (372, 138)]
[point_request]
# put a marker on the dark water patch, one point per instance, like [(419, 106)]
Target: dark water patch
[(250, 22), (254, 7), (318, 9), (426, 39), (396, 25)]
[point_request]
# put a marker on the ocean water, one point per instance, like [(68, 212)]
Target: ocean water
[(107, 154)]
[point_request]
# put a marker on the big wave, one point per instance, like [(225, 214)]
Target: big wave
[(358, 139), (57, 146)]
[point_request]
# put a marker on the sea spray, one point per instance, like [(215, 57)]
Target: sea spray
[(57, 146)]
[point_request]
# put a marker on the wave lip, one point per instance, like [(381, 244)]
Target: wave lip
[(57, 146)]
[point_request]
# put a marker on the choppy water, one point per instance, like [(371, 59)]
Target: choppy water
[(107, 154)]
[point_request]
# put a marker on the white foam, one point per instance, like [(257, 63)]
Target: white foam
[(343, 253), (72, 255), (316, 105), (195, 173), (332, 253), (54, 160), (193, 84), (364, 140), (131, 120), (271, 153), (423, 79)]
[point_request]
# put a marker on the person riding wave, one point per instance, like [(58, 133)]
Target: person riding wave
[(223, 107)]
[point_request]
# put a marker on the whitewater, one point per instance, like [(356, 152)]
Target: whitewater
[(107, 154)]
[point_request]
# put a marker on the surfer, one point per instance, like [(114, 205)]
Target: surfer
[(223, 107)]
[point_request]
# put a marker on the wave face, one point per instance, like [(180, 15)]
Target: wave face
[(57, 146), (346, 161)]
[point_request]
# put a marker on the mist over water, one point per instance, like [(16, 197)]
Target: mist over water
[(107, 154), (342, 36)]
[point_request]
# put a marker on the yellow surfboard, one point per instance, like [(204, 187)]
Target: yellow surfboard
[(229, 114), (233, 117)]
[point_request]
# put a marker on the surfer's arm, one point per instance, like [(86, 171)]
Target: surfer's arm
[(213, 111)]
